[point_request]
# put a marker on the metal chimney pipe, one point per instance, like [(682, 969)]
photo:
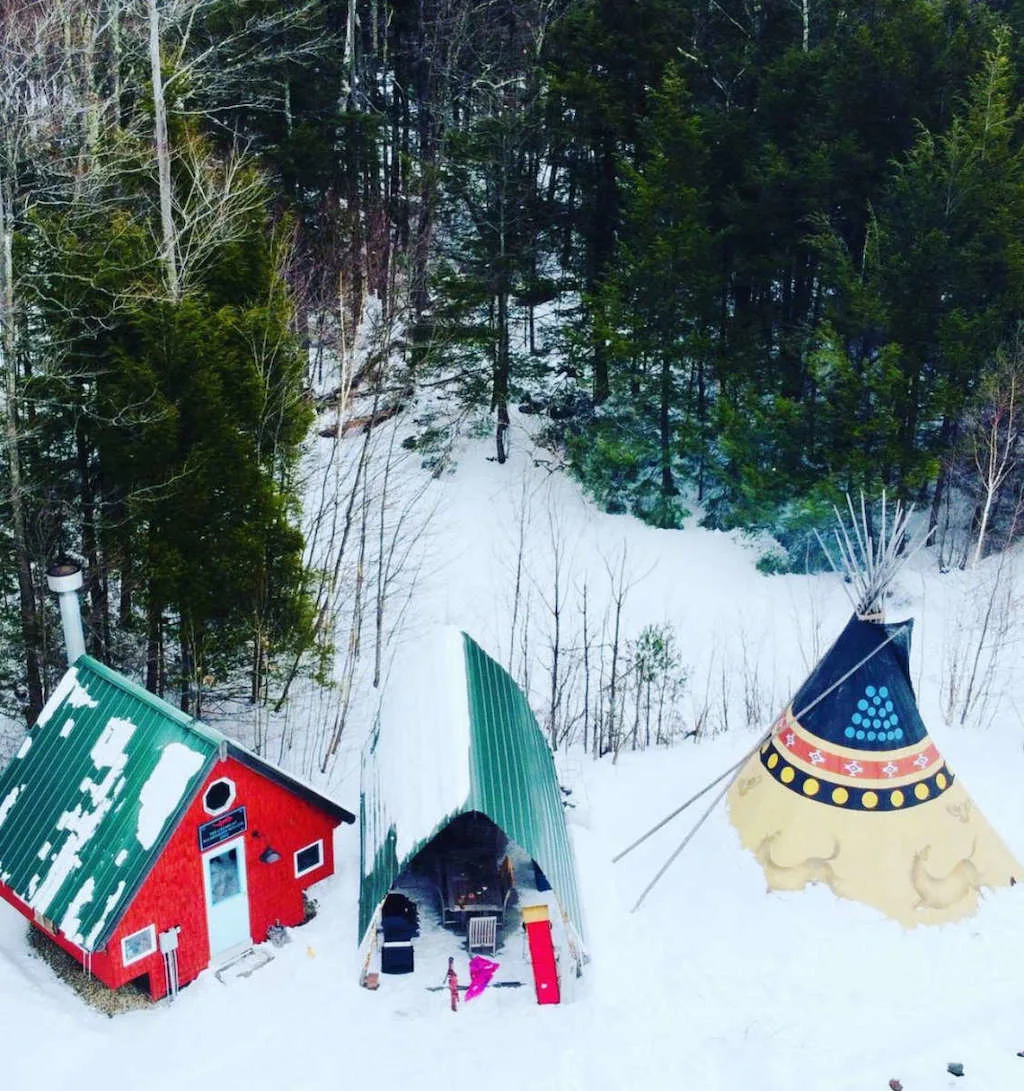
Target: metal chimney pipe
[(65, 578)]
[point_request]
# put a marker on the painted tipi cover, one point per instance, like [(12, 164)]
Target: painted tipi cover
[(849, 790), (456, 735)]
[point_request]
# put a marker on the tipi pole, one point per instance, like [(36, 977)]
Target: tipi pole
[(693, 799), (686, 840)]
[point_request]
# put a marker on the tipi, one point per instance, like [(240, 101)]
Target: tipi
[(849, 790)]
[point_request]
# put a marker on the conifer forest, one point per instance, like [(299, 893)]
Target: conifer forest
[(734, 257)]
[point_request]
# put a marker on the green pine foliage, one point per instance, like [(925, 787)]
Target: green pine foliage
[(749, 257), (170, 441)]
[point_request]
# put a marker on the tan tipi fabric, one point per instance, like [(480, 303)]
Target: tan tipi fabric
[(881, 820)]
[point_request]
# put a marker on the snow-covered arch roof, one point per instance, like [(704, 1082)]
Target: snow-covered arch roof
[(456, 735)]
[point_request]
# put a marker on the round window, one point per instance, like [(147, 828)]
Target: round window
[(218, 796)]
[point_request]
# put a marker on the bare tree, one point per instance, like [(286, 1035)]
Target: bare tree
[(38, 99), (995, 436)]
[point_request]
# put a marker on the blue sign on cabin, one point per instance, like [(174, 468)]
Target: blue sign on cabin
[(221, 829)]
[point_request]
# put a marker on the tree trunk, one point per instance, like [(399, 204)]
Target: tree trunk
[(26, 591), (99, 630), (163, 155), (668, 485), (501, 376), (154, 647)]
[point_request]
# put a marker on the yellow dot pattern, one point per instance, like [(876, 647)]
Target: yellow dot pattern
[(879, 797)]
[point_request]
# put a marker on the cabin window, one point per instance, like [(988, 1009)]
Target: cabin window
[(309, 858), (138, 945), (219, 796)]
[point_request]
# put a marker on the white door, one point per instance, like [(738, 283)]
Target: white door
[(227, 896)]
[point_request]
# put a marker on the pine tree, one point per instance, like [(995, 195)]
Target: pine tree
[(655, 309)]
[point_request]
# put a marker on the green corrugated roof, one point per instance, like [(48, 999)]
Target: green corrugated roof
[(513, 775), (92, 796), (511, 779)]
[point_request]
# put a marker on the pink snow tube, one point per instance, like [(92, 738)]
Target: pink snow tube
[(481, 970)]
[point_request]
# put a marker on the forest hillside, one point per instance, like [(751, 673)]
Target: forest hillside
[(732, 260)]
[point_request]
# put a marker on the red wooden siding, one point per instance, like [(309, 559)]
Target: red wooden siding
[(173, 893)]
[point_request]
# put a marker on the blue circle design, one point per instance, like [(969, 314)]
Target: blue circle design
[(850, 732), (888, 705), (876, 724), (876, 700), (856, 717), (860, 734), (884, 691), (898, 732), (862, 705), (894, 719), (870, 691), (871, 736)]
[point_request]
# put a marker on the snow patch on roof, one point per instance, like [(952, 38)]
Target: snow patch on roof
[(69, 725), (108, 753), (421, 759), (109, 749), (64, 862), (70, 923), (114, 898), (69, 689), (162, 793), (26, 745), (44, 850), (8, 803), (81, 825), (120, 858)]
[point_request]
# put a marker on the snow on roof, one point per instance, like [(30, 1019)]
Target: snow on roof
[(86, 811), (8, 803), (162, 793), (425, 732), (68, 691)]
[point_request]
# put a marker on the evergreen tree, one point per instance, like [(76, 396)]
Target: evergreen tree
[(655, 315)]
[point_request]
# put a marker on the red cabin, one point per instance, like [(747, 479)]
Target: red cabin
[(146, 843)]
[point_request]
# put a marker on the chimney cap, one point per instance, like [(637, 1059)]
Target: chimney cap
[(64, 575)]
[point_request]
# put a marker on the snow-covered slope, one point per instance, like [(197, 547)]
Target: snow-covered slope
[(712, 983)]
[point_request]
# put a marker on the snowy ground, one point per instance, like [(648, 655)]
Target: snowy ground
[(712, 984)]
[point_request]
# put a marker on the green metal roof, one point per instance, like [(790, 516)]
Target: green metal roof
[(91, 797), (509, 776)]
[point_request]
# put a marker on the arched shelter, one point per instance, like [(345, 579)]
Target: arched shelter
[(455, 746)]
